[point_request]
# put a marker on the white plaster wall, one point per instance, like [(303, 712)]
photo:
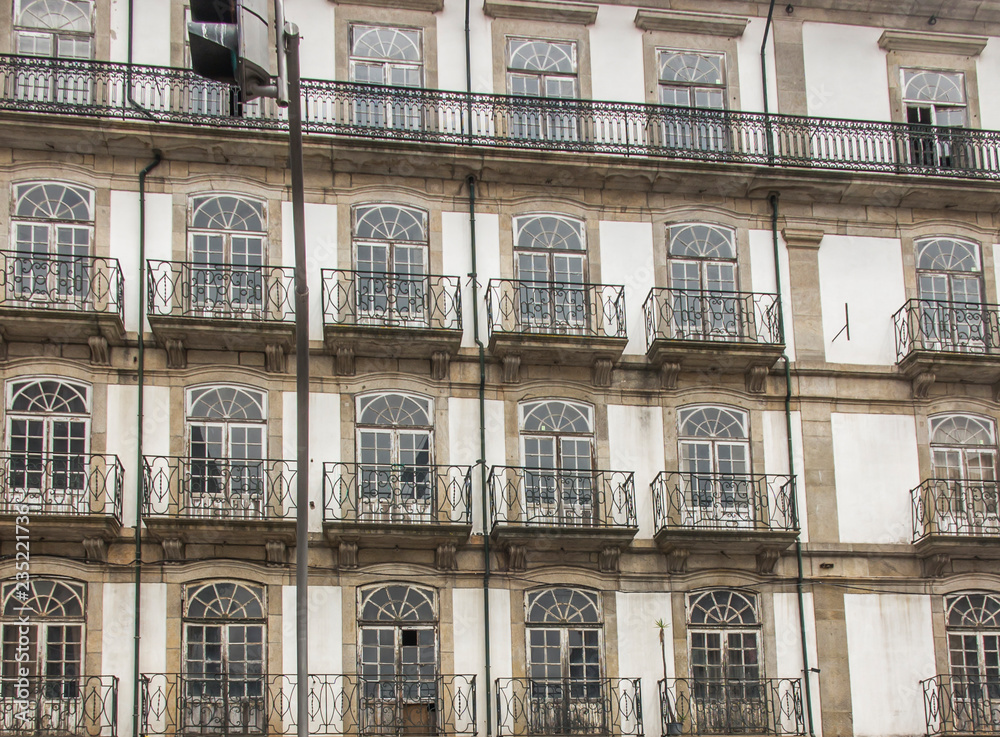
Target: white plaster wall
[(636, 444), (117, 640), (463, 444), (788, 646), (776, 458), (988, 70), (321, 253), (325, 608), (616, 56), (763, 281), (151, 36), (627, 259), (867, 275), (457, 259), (451, 48), (324, 444), (748, 53), (890, 648), (857, 86), (875, 462), (470, 648), (122, 439), (639, 653), (316, 50), (124, 241), (996, 261)]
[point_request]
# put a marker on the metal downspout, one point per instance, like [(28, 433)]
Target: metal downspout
[(806, 671), (157, 158), (128, 67), (474, 276)]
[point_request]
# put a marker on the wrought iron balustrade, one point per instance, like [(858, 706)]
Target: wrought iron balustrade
[(553, 308), (71, 484), (380, 299), (956, 507), (718, 317), (731, 706), (98, 89), (567, 706), (221, 291), (961, 705), (175, 704), (397, 494), (562, 498), (947, 327), (89, 284), (218, 488), (59, 706), (716, 501)]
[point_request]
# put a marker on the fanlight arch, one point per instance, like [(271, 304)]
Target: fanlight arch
[(395, 409), (722, 607), (44, 598), (56, 15), (225, 600), (975, 610), (228, 212), (712, 422), (542, 56), (227, 403), (548, 232), (947, 254), (53, 201), (962, 430), (390, 223), (697, 240), (562, 606), (381, 42), (687, 67), (397, 603), (555, 415), (927, 86), (46, 396)]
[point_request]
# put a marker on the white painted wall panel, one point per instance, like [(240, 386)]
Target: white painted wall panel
[(627, 259), (451, 48), (616, 56), (124, 241), (463, 441), (636, 440), (987, 71), (321, 253), (470, 647), (122, 436), (875, 462), (763, 279), (788, 646), (316, 50), (867, 275), (776, 457), (890, 648), (325, 629), (151, 37), (458, 262), (639, 653), (748, 51), (324, 444), (857, 85)]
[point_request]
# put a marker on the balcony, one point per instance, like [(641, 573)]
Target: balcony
[(67, 299), (215, 500), (717, 332), (961, 705), (550, 322), (408, 506), (391, 315), (221, 306), (339, 705), (727, 707), (742, 515), (563, 706), (66, 497), (957, 516), (45, 706)]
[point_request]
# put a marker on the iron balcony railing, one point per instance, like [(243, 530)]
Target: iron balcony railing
[(955, 507), (961, 705), (717, 317), (221, 291), (175, 704), (553, 308), (218, 488), (947, 327), (74, 485), (716, 501), (397, 494), (710, 706), (59, 706), (562, 498), (98, 89), (63, 283), (380, 299), (567, 706)]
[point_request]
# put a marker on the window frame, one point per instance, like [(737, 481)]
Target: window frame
[(968, 689), (722, 85), (55, 35)]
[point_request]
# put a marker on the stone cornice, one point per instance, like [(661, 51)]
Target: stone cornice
[(936, 43), (430, 6), (681, 21), (544, 11), (799, 237)]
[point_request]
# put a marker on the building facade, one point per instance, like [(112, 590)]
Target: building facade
[(643, 402)]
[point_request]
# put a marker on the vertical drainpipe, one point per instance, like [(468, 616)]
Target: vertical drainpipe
[(157, 158)]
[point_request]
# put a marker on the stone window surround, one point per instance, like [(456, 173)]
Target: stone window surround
[(98, 399), (948, 229), (897, 61), (370, 385), (184, 194), (226, 376), (506, 28), (102, 28), (661, 242), (591, 234), (100, 245), (655, 40), (699, 398), (425, 22), (345, 226), (947, 406), (512, 423)]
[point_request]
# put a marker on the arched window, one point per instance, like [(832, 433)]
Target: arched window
[(227, 236), (963, 447), (702, 267), (551, 258), (395, 455), (933, 98), (391, 256), (227, 445), (714, 454), (385, 55), (950, 289), (53, 625), (973, 624), (224, 656), (689, 79), (48, 439), (565, 655), (538, 68), (59, 28)]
